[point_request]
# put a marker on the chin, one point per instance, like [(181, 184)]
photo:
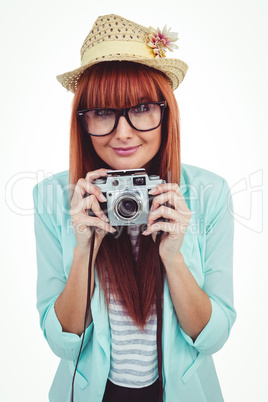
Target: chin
[(125, 165)]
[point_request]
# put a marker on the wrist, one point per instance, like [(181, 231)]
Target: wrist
[(174, 262), (81, 253)]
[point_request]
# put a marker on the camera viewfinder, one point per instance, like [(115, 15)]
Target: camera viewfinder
[(139, 181)]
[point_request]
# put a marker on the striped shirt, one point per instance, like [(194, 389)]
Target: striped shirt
[(133, 351)]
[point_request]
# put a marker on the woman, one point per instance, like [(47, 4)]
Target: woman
[(125, 116)]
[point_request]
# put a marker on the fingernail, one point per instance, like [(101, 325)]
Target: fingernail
[(102, 197), (112, 230), (146, 232), (105, 217), (152, 191)]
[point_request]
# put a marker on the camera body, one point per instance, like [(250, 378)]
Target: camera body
[(128, 201)]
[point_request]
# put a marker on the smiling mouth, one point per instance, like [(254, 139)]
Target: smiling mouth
[(126, 151)]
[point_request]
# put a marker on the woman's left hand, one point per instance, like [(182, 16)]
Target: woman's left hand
[(178, 215)]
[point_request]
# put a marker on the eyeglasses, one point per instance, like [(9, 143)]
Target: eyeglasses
[(103, 121)]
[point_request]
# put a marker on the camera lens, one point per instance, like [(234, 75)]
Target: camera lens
[(127, 208)]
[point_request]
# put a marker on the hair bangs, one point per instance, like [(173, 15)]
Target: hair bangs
[(120, 84)]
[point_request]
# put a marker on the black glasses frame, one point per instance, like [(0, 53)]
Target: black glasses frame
[(118, 113)]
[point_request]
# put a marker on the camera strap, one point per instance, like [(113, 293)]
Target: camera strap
[(88, 304), (159, 313)]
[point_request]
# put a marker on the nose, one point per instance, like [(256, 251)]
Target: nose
[(123, 129)]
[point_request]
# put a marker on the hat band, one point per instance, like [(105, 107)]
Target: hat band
[(109, 48)]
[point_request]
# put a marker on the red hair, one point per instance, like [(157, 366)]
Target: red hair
[(117, 85)]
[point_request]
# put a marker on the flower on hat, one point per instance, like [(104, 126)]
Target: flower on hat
[(160, 42)]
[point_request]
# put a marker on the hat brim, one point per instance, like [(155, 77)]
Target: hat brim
[(174, 69)]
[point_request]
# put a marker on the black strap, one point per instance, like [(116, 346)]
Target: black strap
[(159, 313), (88, 304)]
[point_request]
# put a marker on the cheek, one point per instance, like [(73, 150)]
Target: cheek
[(156, 140), (99, 144)]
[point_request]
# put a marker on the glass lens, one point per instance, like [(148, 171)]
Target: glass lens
[(99, 121), (146, 116), (127, 208)]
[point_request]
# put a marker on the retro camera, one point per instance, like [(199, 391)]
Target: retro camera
[(128, 201)]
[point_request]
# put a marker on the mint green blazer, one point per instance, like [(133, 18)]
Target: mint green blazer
[(188, 370)]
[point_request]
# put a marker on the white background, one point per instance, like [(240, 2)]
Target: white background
[(223, 105)]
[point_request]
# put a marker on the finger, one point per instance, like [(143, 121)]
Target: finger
[(78, 193), (89, 202), (170, 197), (95, 174), (163, 226), (164, 187), (175, 202), (81, 228), (173, 229), (163, 212), (97, 222), (90, 188), (83, 187), (84, 221)]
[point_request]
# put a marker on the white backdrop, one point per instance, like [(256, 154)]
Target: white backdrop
[(223, 105)]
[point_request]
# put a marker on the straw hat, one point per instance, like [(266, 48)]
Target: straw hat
[(113, 38)]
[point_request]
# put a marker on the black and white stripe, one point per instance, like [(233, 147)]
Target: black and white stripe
[(133, 351)]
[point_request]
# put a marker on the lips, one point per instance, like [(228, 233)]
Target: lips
[(126, 151)]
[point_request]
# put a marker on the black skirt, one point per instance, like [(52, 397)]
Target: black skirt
[(115, 393)]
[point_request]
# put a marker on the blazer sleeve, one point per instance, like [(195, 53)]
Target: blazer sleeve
[(218, 275), (51, 281)]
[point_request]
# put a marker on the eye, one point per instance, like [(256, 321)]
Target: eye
[(103, 112), (145, 107)]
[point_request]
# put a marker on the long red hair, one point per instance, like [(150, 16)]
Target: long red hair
[(117, 85)]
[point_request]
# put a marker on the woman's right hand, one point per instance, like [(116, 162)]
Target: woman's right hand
[(81, 221)]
